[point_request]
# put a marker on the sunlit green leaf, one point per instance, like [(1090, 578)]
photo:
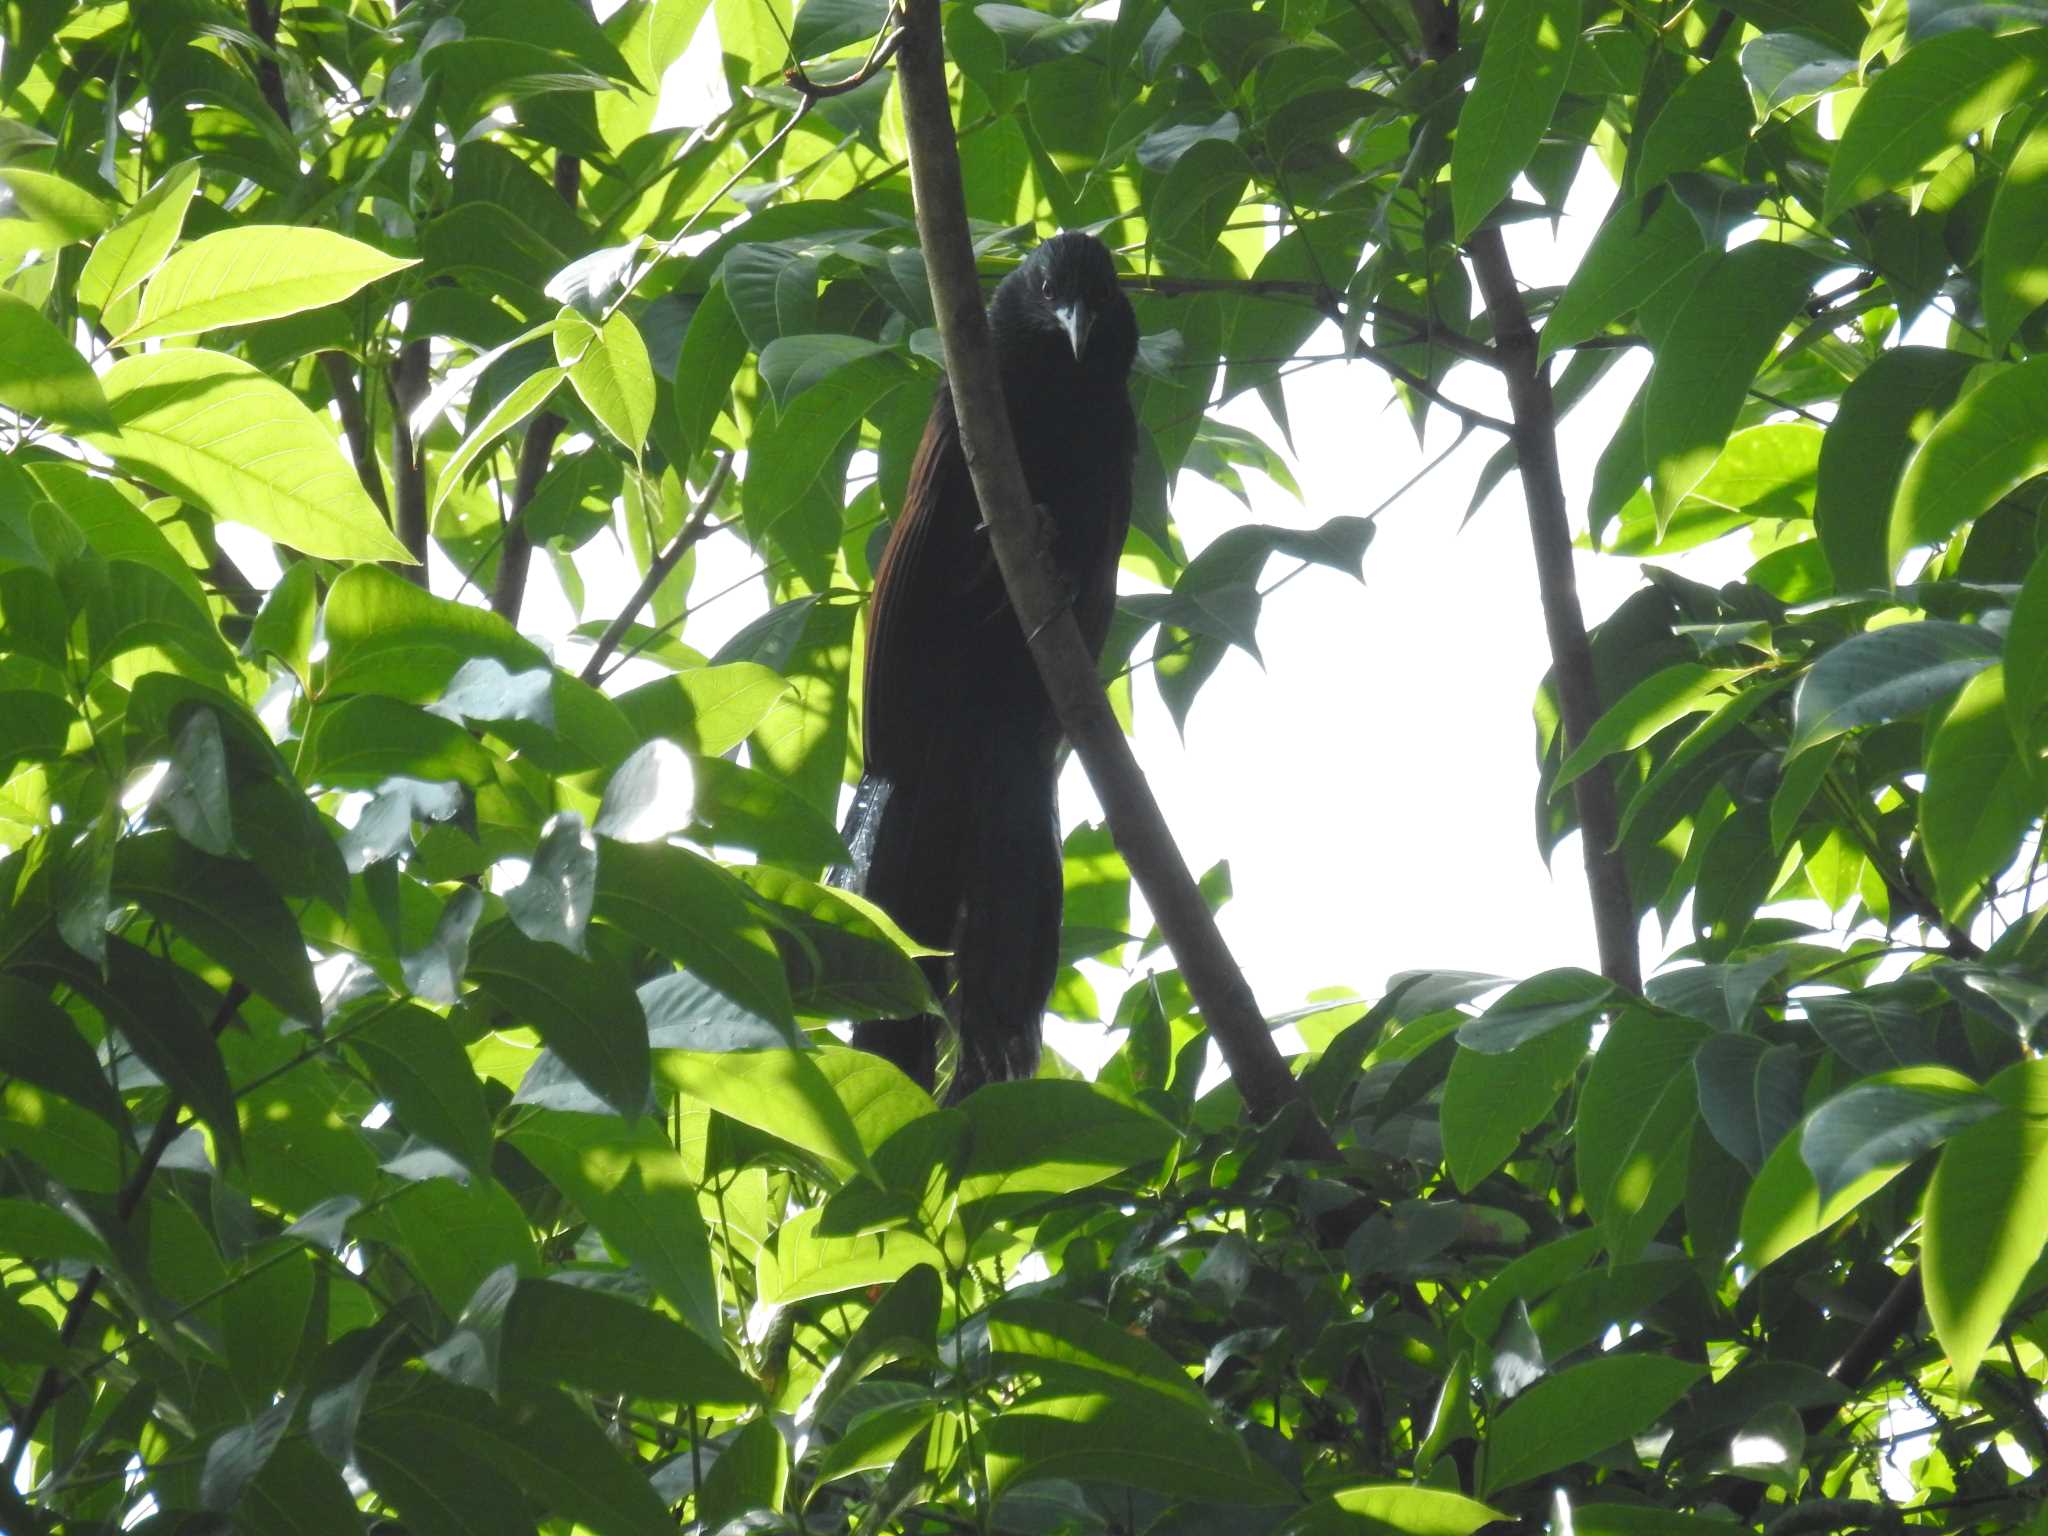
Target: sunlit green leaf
[(251, 273), (1526, 59), (244, 449)]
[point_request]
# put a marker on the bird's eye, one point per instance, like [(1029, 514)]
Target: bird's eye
[(1045, 287)]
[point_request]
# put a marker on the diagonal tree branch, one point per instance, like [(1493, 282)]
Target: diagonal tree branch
[(1219, 988), (1550, 536), (1571, 653), (695, 526)]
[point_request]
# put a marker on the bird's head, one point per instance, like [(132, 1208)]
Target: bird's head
[(1068, 288)]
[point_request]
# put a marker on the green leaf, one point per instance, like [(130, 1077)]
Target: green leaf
[(288, 622), (685, 907), (242, 448), (552, 904), (845, 957), (28, 1337), (1632, 258), (1987, 1217), (1748, 1094), (239, 1453), (1048, 1137), (1887, 674), (710, 710), (649, 795), (1991, 441), (40, 1043), (226, 908), (358, 743), (1657, 701), (1636, 1115), (1534, 1007), (826, 26), (1071, 1347), (610, 371), (805, 1263), (193, 794), (876, 1438), (422, 1071), (263, 1321), (1782, 67), (133, 248), (684, 1013), (386, 635), (772, 290), (1390, 1509), (781, 1092), (40, 1232), (2016, 242), (713, 348), (540, 1441), (1491, 1100), (583, 1008), (1578, 1412), (789, 451), (752, 1474), (744, 808), (1194, 200), (588, 1339), (1784, 1207), (1113, 1438), (1935, 96), (1522, 70), (1880, 1124), (1707, 117), (42, 375), (141, 997), (58, 212), (637, 1191), (1841, 22), (254, 272), (789, 365), (437, 1482), (520, 402), (137, 605), (1981, 796), (2026, 660), (1708, 356), (1887, 410), (298, 1493)]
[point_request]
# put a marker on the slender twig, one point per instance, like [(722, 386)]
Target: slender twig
[(406, 383), (886, 43), (695, 526), (1041, 606), (355, 426)]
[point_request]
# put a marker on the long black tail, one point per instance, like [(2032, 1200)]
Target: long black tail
[(966, 857)]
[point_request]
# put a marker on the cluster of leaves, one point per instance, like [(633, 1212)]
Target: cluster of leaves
[(352, 1173)]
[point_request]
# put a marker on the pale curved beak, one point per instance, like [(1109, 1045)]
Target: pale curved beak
[(1078, 322)]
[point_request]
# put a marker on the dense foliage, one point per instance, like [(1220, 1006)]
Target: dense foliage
[(348, 1180)]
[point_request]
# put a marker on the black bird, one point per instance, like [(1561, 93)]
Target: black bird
[(954, 829)]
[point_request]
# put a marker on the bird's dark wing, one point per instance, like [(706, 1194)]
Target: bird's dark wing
[(936, 589), (1095, 572)]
